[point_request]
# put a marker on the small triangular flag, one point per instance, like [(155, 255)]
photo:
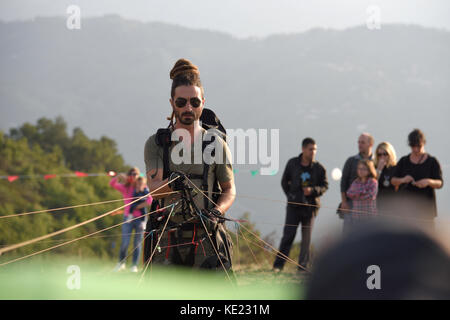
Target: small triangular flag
[(12, 178)]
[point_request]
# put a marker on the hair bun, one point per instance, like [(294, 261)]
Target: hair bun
[(183, 66)]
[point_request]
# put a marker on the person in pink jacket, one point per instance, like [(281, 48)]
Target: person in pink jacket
[(128, 186), (363, 193)]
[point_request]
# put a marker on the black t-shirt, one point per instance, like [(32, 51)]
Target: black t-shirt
[(386, 191), (296, 177), (305, 176), (301, 178), (305, 180), (384, 181), (423, 200)]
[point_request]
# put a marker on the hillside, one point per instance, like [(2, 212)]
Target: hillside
[(112, 78)]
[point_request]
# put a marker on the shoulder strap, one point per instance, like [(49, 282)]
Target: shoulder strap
[(166, 170), (163, 140), (214, 187)]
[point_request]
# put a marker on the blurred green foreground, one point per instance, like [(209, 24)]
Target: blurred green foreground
[(55, 279)]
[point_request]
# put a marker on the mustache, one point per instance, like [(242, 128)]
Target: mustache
[(187, 113)]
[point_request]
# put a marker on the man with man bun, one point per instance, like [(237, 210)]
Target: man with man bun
[(190, 243)]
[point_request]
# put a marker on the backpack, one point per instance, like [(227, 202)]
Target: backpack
[(209, 121)]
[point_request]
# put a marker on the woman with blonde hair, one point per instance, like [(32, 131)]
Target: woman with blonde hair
[(385, 162)]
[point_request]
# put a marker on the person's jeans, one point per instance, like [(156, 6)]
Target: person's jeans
[(138, 225), (295, 216)]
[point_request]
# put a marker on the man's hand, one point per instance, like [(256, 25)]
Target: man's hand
[(307, 191), (214, 214), (178, 181), (214, 218)]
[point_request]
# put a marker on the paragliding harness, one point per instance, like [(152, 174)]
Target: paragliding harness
[(194, 220)]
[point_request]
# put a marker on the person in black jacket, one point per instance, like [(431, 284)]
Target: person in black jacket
[(304, 181)]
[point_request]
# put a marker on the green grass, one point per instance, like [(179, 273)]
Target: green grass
[(46, 279)]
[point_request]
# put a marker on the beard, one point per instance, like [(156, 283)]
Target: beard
[(182, 117)]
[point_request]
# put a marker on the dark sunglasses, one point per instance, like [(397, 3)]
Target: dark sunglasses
[(181, 102), (133, 174), (382, 154)]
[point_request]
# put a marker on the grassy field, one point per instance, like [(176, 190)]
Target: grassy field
[(49, 278)]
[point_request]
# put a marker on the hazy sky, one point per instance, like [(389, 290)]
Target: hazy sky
[(243, 18)]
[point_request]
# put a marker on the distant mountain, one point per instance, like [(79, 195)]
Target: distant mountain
[(112, 78)]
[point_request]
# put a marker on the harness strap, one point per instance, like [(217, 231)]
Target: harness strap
[(205, 184), (193, 236), (166, 170)]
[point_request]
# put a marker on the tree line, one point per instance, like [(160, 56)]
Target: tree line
[(47, 148), (34, 150)]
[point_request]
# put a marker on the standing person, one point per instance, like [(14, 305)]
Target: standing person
[(180, 240), (365, 144), (127, 186), (385, 162), (418, 175), (363, 193), (304, 181), (140, 191)]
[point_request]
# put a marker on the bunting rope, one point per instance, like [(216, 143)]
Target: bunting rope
[(12, 178), (76, 174)]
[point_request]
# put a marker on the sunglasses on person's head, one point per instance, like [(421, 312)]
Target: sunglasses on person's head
[(181, 102)]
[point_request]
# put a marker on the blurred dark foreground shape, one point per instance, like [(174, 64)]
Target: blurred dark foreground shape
[(412, 265)]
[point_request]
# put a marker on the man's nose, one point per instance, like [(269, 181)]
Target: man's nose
[(188, 105)]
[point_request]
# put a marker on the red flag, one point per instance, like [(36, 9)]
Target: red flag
[(80, 174), (49, 176), (12, 178)]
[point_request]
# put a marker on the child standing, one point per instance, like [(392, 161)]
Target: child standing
[(363, 193), (140, 191)]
